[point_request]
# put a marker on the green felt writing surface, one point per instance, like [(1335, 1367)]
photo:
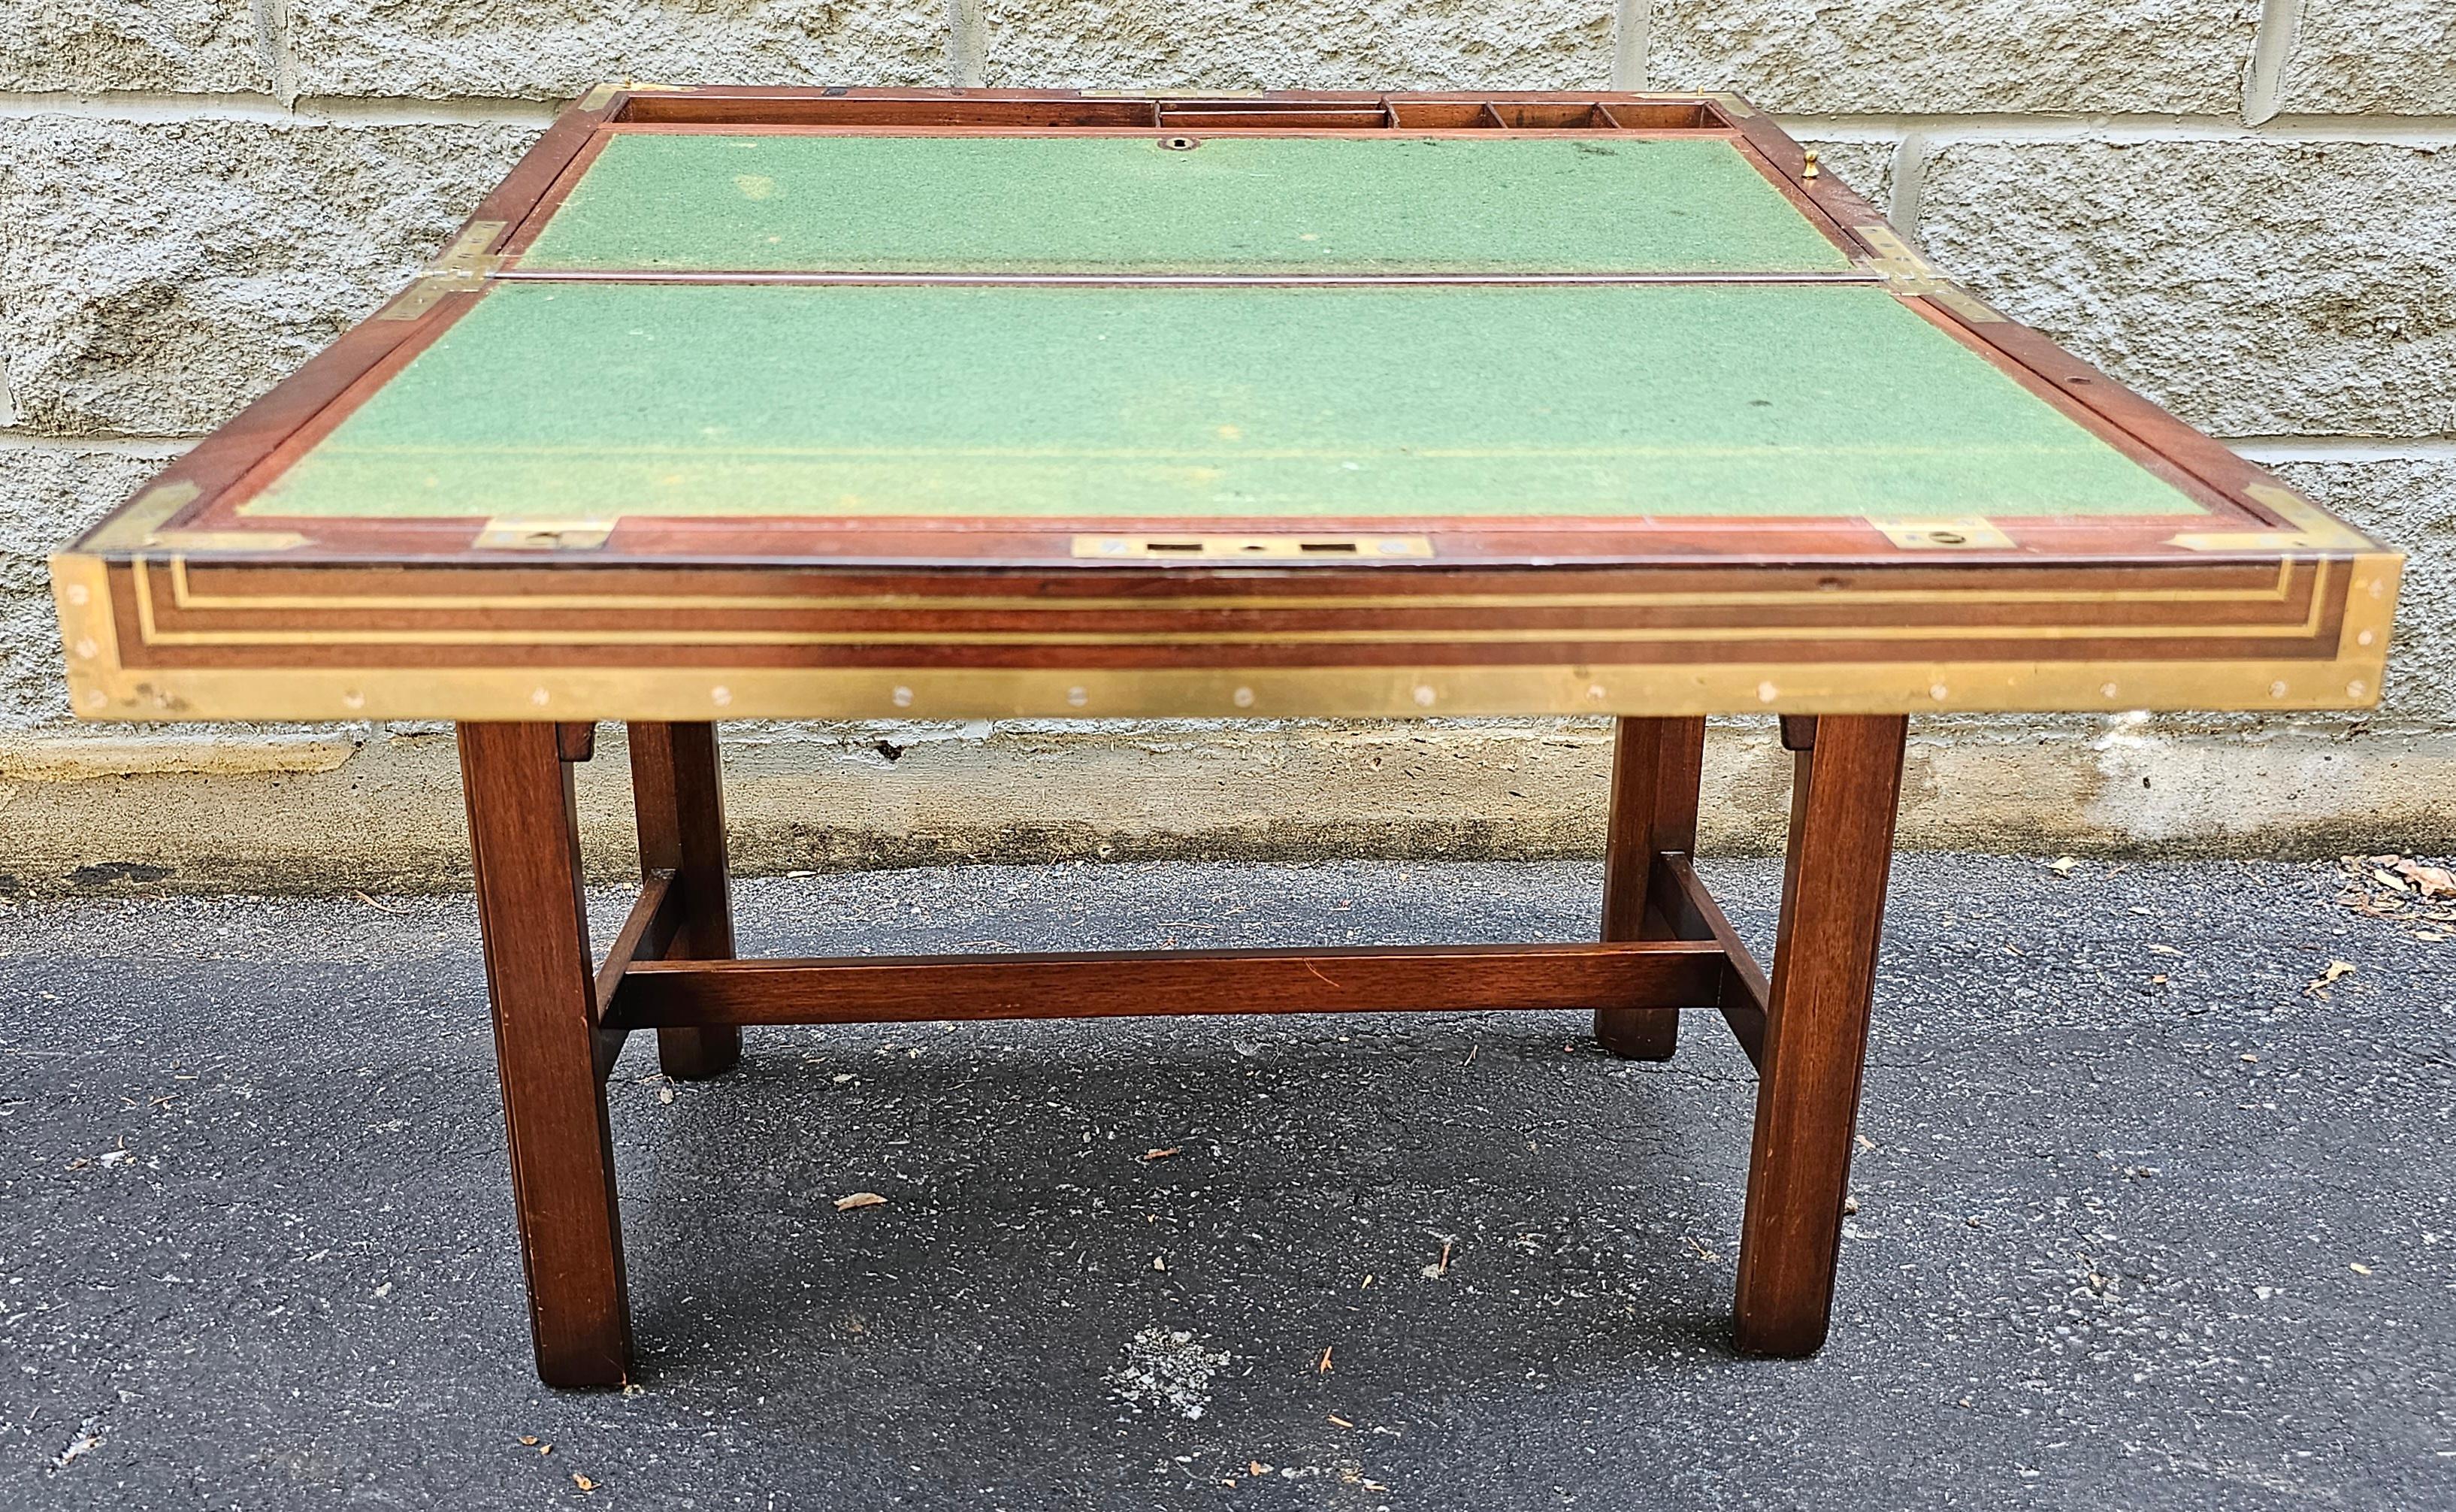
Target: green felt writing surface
[(592, 401), (1104, 204)]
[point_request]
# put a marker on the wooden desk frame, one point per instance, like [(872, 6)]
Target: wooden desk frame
[(185, 605)]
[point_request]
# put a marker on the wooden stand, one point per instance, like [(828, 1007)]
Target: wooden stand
[(1665, 946)]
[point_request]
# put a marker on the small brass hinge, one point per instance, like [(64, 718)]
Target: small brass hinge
[(1907, 273), (463, 268)]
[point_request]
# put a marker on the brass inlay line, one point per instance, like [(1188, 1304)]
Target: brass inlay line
[(185, 597), (1633, 635)]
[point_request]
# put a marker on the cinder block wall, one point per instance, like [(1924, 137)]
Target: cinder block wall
[(2245, 209)]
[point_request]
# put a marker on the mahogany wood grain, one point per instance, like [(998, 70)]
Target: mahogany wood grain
[(678, 786), (1120, 984), (1691, 913), (525, 838), (646, 935), (1843, 803), (1657, 768)]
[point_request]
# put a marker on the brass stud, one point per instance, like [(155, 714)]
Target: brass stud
[(1807, 170)]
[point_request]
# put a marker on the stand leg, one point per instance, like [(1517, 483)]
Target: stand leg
[(1843, 800), (1657, 765), (679, 790), (524, 836)]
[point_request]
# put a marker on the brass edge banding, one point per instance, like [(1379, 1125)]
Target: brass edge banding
[(603, 96), (81, 592), (230, 541), (2370, 620), (135, 526), (667, 693), (2311, 528)]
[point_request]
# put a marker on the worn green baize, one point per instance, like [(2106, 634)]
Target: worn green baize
[(593, 400), (703, 201)]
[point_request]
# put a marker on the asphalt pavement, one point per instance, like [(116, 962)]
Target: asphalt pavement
[(2155, 1208)]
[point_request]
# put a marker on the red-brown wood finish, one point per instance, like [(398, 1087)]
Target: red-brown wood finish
[(1135, 984), (1690, 913), (1657, 768), (1843, 796), (524, 839), (678, 786), (191, 583)]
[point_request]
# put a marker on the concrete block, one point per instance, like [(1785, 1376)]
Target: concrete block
[(2256, 287), (47, 495), (91, 46), (1313, 44), (557, 49), (1866, 167), (2410, 504), (159, 274), (2393, 56), (1861, 56)]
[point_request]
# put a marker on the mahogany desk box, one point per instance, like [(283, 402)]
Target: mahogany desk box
[(756, 403)]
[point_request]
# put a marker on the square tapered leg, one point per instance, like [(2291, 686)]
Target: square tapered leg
[(1843, 802), (524, 839)]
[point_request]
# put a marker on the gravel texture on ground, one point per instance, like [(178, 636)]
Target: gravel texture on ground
[(2156, 1208)]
